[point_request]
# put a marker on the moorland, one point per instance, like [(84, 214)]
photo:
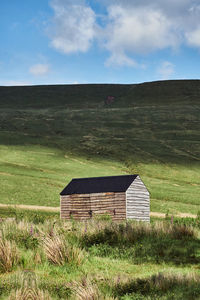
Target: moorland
[(50, 134)]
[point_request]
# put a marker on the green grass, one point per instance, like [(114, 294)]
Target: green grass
[(158, 287), (121, 260), (36, 174), (51, 134), (34, 216)]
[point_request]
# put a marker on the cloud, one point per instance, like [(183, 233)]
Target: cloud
[(120, 59), (166, 70), (15, 83), (138, 27), (193, 37), (73, 26), (126, 28), (137, 31), (39, 69)]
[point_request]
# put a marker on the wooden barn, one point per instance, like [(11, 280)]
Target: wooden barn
[(122, 197)]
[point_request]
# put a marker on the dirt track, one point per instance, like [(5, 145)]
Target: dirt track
[(31, 207), (181, 215), (57, 209)]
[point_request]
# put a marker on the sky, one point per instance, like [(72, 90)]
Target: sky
[(98, 41)]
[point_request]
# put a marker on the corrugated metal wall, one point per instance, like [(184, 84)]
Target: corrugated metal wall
[(138, 201)]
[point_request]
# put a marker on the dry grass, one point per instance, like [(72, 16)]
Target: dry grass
[(8, 255), (86, 290), (13, 226), (76, 255), (27, 287), (55, 249), (158, 283), (27, 293), (165, 281), (58, 251), (181, 231), (133, 230), (58, 243)]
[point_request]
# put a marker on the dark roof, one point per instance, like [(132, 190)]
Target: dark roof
[(99, 184)]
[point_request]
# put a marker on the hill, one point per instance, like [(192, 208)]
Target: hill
[(49, 134)]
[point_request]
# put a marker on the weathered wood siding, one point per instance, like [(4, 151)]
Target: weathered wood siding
[(138, 201), (85, 206), (65, 206)]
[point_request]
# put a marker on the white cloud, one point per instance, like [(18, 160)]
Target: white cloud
[(39, 69), (143, 26), (120, 59), (166, 70), (193, 37), (73, 26), (137, 31), (15, 83), (128, 27)]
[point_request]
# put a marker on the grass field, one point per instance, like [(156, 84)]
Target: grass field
[(50, 134), (99, 260)]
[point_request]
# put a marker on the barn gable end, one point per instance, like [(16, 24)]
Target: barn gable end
[(137, 201)]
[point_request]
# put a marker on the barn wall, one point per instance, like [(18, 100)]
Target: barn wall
[(65, 206), (85, 206), (138, 201)]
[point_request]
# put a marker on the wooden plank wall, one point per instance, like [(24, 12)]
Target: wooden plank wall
[(85, 206), (138, 201), (65, 206)]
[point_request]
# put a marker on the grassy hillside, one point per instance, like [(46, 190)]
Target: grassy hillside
[(49, 134)]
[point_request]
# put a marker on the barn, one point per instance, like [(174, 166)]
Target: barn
[(122, 197)]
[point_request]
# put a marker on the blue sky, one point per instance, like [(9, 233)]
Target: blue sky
[(98, 41)]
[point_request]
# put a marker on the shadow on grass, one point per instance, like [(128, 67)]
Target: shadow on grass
[(175, 244), (160, 286)]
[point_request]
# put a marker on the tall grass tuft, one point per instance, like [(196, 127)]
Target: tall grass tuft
[(58, 251), (8, 255), (55, 249)]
